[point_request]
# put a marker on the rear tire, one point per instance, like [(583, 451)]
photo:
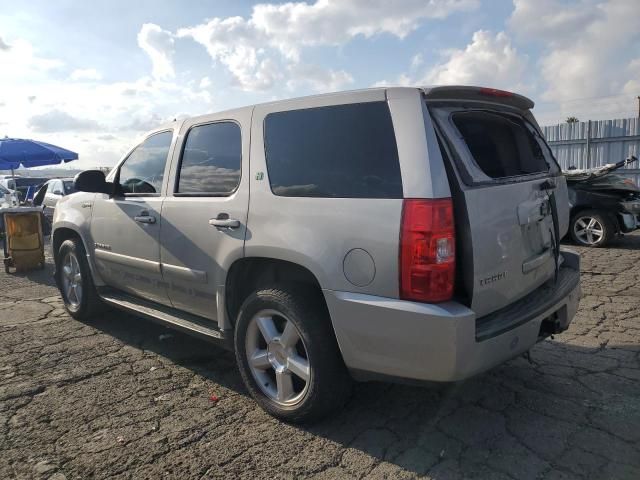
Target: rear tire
[(288, 355), (75, 282), (592, 228)]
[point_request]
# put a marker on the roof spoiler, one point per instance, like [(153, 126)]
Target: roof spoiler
[(482, 94)]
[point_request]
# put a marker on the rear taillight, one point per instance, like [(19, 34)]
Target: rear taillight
[(427, 250)]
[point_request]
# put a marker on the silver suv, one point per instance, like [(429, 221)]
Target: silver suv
[(391, 233)]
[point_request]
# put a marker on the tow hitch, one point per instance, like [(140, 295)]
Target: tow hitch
[(553, 324)]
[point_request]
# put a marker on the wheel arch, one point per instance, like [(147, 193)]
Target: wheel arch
[(66, 232), (250, 273)]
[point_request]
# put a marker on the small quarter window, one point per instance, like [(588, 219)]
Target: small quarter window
[(211, 160)]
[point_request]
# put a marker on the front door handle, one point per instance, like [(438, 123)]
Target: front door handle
[(224, 222), (145, 219)]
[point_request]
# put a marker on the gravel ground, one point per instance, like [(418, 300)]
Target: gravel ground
[(120, 397)]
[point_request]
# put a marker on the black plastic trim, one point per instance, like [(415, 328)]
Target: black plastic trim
[(533, 305)]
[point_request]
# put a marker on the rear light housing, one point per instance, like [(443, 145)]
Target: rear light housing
[(427, 250), (494, 92)]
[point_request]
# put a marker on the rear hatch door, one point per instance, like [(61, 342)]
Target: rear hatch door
[(504, 175)]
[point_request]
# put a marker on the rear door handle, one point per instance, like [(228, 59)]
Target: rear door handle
[(145, 219), (224, 222)]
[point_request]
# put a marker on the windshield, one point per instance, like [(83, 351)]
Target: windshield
[(68, 187), (3, 190)]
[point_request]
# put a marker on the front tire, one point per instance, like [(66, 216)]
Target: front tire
[(592, 228), (288, 355), (75, 282)]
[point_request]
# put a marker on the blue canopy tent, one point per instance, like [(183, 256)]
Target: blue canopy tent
[(31, 153)]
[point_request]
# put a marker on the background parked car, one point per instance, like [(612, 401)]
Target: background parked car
[(603, 205), (52, 191)]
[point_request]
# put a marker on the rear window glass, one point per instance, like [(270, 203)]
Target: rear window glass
[(345, 151), (501, 145)]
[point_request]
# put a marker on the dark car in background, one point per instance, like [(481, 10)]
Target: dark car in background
[(603, 204)]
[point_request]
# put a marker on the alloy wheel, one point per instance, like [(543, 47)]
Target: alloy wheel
[(588, 230), (72, 279), (278, 358)]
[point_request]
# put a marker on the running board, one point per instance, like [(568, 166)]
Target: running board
[(167, 316)]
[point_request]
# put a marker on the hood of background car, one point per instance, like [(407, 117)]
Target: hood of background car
[(608, 183)]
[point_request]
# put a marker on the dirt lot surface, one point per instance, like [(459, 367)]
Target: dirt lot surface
[(120, 397)]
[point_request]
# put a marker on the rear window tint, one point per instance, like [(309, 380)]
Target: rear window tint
[(501, 146), (211, 160), (345, 151)]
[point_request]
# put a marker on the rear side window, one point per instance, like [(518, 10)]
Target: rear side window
[(211, 160), (345, 151), (501, 145)]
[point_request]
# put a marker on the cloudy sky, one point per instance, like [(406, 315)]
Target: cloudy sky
[(93, 76)]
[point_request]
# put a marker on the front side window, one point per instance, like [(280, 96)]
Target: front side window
[(343, 151), (143, 170), (55, 188), (211, 160)]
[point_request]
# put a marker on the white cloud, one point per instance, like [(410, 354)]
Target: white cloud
[(587, 44), (488, 60), (633, 85), (259, 51), (402, 80), (417, 61), (237, 45), (334, 22), (318, 78), (550, 19), (19, 61), (59, 121), (158, 44), (98, 120), (83, 74), (4, 45)]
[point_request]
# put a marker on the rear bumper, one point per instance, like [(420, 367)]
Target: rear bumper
[(385, 337)]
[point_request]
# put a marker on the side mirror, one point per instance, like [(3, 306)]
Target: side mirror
[(92, 181), (57, 192)]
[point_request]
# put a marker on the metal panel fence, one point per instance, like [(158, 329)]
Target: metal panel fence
[(596, 143)]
